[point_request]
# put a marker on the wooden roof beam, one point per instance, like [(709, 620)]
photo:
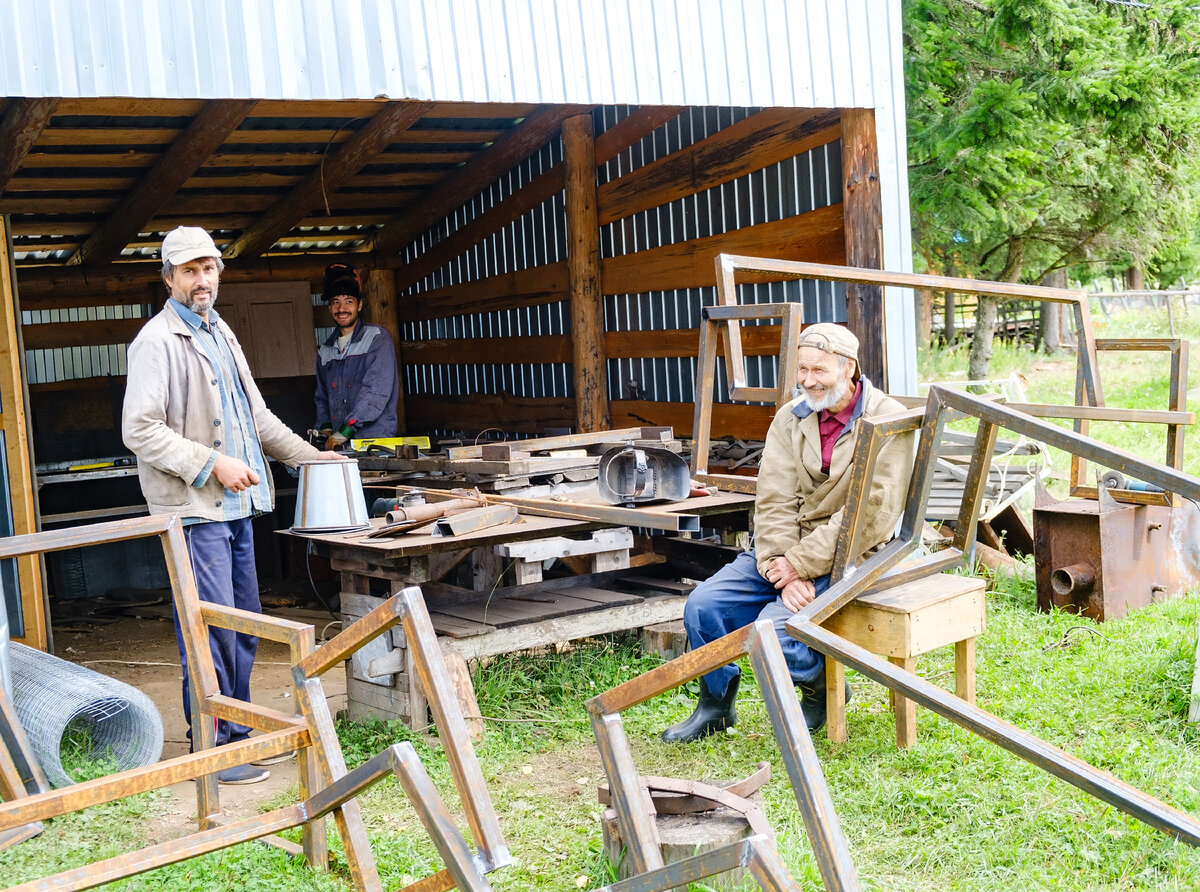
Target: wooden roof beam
[(374, 137), (509, 150), (207, 133), (23, 123)]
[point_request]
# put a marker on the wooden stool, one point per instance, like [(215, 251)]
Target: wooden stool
[(901, 623)]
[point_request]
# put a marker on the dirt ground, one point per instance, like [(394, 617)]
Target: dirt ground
[(142, 653)]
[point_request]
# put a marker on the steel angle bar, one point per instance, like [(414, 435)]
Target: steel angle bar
[(1033, 749), (757, 853), (648, 518), (475, 519), (800, 759), (634, 808), (1109, 456)]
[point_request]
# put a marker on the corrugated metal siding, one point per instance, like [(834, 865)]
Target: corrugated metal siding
[(743, 53), (71, 363)]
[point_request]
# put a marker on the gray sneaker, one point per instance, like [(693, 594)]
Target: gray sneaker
[(274, 760), (242, 774)]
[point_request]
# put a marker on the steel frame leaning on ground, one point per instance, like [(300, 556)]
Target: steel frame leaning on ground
[(326, 787), (892, 565)]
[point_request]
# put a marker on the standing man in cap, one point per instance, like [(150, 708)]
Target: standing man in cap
[(803, 482), (202, 434), (357, 384)]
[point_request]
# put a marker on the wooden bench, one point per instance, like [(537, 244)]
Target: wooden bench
[(901, 623)]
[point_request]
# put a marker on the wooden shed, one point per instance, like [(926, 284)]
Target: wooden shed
[(535, 192)]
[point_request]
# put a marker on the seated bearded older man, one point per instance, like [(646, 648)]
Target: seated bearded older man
[(803, 483)]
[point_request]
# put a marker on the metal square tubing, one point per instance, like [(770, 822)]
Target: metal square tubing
[(754, 852), (629, 797)]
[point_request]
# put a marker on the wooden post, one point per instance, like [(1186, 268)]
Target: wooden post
[(379, 293), (583, 276), (18, 450), (862, 206)]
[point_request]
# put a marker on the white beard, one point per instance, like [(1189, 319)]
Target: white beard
[(833, 395)]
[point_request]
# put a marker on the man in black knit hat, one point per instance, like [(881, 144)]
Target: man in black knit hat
[(357, 383)]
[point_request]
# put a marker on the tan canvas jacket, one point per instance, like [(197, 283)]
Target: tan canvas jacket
[(798, 510), (171, 403)]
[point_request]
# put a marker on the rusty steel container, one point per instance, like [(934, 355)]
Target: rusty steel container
[(1102, 559)]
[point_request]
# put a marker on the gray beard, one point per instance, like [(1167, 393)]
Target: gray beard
[(192, 303), (833, 395)]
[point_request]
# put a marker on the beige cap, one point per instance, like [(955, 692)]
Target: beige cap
[(188, 243), (832, 338)]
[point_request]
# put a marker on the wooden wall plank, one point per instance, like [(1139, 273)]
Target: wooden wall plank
[(478, 411), (470, 351), (583, 276), (535, 192), (505, 153), (21, 127), (89, 333), (762, 139), (630, 129), (728, 419), (175, 167), (367, 142), (19, 450), (863, 204), (379, 298), (815, 236), (757, 340), (527, 288)]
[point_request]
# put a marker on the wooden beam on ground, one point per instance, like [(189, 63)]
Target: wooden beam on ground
[(18, 450), (23, 123), (583, 276), (379, 292), (207, 133), (863, 209), (313, 191), (508, 150)]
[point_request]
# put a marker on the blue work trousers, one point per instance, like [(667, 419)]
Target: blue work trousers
[(222, 556), (736, 596)]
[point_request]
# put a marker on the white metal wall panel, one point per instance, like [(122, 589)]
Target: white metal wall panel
[(731, 53)]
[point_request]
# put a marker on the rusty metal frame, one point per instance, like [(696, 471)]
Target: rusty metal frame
[(1089, 400), (755, 853), (806, 627), (326, 787), (760, 643)]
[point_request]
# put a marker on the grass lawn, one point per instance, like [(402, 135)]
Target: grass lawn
[(952, 812)]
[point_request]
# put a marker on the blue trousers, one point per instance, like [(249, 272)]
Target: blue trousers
[(736, 596), (222, 556)]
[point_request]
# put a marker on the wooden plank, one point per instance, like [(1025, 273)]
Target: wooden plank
[(533, 194), (86, 333), (588, 363), (379, 295), (477, 411), (569, 628), (23, 124), (815, 236), (505, 153), (762, 139), (863, 209), (631, 129), (175, 167), (111, 136), (348, 160), (525, 288), (605, 596), (757, 340), (456, 627), (468, 351), (728, 419), (504, 612), (19, 449)]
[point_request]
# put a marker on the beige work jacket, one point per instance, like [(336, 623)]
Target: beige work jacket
[(172, 404), (798, 509)]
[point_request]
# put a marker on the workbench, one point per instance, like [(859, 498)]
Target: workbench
[(486, 620)]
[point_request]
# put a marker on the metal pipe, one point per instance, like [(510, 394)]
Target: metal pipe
[(1077, 579)]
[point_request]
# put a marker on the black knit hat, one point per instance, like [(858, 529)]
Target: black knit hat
[(341, 279)]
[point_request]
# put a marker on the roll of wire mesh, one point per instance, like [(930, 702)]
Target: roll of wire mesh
[(59, 703)]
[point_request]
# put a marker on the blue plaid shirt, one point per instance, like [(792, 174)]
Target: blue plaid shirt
[(241, 438)]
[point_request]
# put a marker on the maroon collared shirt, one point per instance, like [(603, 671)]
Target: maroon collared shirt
[(832, 425)]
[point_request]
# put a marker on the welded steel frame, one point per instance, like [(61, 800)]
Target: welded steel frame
[(1089, 399), (806, 624), (633, 806), (326, 787), (755, 853)]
